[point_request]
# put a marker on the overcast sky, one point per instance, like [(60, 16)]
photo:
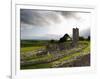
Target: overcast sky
[(43, 24)]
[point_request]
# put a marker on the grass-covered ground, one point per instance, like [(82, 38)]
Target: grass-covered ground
[(29, 49), (66, 57)]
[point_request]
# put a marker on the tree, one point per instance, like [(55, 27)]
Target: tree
[(52, 41), (88, 38), (81, 38), (64, 38)]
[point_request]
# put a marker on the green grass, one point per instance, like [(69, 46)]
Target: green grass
[(34, 48), (30, 43), (42, 65), (83, 52), (37, 66)]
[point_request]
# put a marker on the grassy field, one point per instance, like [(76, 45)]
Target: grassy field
[(33, 48), (31, 43), (42, 61)]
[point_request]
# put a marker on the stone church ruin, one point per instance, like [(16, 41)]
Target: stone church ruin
[(54, 48)]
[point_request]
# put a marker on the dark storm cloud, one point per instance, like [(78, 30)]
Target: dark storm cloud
[(38, 18), (45, 18), (69, 14), (31, 17)]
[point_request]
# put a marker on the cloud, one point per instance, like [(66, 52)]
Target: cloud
[(37, 17), (42, 37), (44, 17), (85, 33), (42, 22), (70, 14)]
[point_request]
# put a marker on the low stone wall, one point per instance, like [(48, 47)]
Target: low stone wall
[(58, 47)]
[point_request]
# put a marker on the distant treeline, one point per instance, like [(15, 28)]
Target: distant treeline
[(65, 38), (29, 43)]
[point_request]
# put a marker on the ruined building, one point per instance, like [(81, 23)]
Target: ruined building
[(55, 47), (75, 37)]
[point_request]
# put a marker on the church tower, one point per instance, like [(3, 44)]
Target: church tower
[(75, 37)]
